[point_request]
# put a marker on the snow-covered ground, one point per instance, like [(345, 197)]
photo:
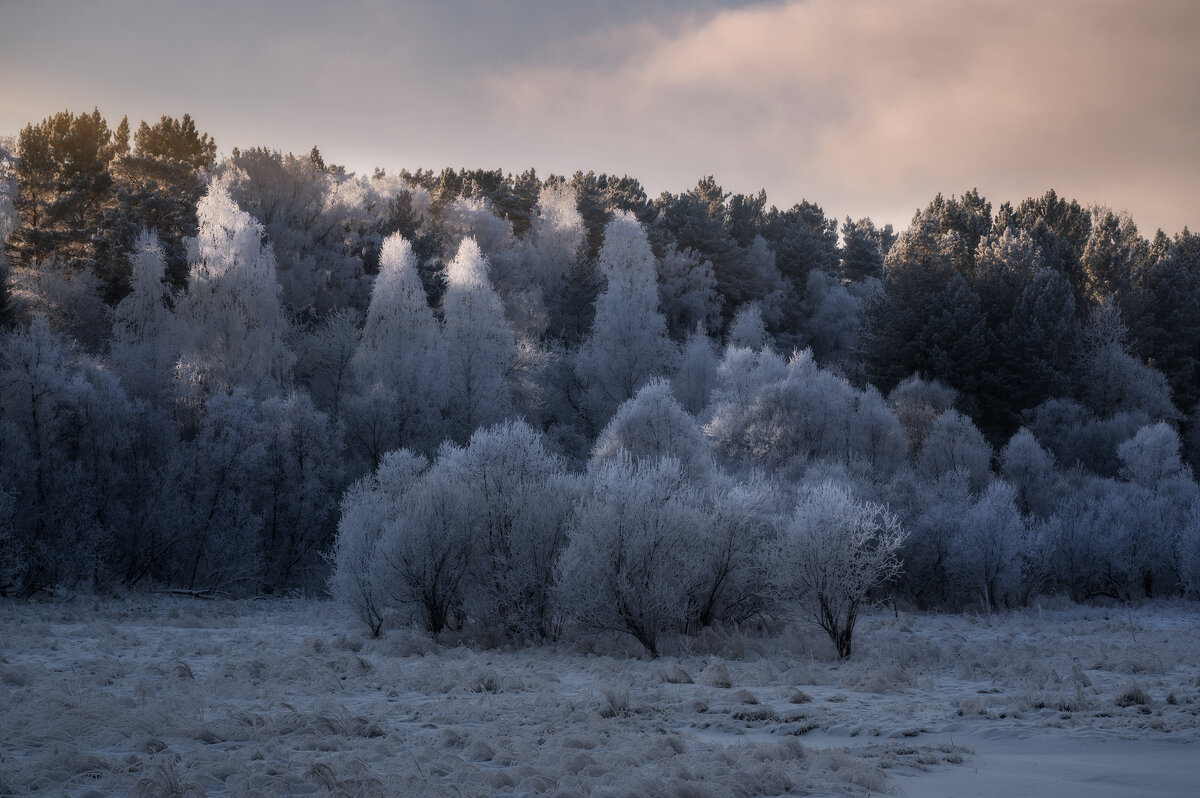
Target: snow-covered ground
[(186, 697)]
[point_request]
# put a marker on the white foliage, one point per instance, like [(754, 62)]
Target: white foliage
[(1114, 381), (558, 235), (64, 425), (69, 298), (652, 426), (397, 365), (835, 550), (425, 555), (317, 220), (737, 542), (1030, 470), (147, 337), (808, 416), (473, 218), (833, 316), (628, 344), (696, 378), (747, 330), (479, 347), (1151, 456), (516, 499), (985, 553), (372, 505), (742, 373), (630, 565), (955, 444), (236, 328)]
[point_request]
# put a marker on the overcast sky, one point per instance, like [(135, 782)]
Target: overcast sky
[(867, 108)]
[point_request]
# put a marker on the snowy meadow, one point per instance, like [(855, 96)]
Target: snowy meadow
[(177, 696)]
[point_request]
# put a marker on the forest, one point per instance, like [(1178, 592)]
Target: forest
[(529, 405)]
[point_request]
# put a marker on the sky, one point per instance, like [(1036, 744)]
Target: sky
[(868, 108)]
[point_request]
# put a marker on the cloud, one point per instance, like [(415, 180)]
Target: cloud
[(867, 107), (874, 107)]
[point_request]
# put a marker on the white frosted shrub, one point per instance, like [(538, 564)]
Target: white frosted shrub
[(652, 425), (835, 551), (630, 563), (371, 505)]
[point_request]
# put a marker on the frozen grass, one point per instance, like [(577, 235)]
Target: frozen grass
[(183, 697)]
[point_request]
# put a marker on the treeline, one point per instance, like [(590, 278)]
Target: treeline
[(200, 358)]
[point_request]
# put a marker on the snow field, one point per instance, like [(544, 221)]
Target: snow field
[(172, 696)]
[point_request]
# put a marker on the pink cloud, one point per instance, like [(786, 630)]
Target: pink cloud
[(873, 107)]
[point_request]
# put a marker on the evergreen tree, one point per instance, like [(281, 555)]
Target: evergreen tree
[(863, 249), (64, 188), (1164, 313), (479, 347), (628, 344), (156, 187)]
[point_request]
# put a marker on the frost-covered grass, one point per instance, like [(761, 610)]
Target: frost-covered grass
[(178, 697)]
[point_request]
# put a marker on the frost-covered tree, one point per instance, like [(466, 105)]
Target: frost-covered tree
[(479, 347), (809, 415), (932, 513), (70, 298), (147, 338), (8, 223), (369, 507), (424, 558), (1030, 470), (209, 537), (628, 345), (835, 551), (833, 314), (917, 404), (1079, 438), (651, 426), (318, 219), (955, 444), (985, 556), (748, 330), (1151, 456), (1115, 251), (236, 330), (630, 563), (687, 291), (1113, 381), (696, 378), (324, 354), (397, 368), (554, 253), (734, 578), (300, 482), (65, 426), (1187, 551), (474, 218), (516, 500)]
